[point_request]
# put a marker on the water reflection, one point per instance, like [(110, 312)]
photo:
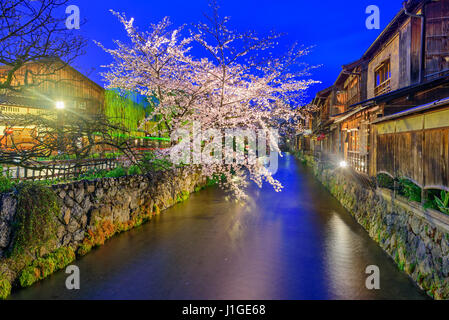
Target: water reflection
[(298, 244)]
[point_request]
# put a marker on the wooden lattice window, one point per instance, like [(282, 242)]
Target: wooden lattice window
[(382, 78)]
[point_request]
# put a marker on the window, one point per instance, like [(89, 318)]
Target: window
[(353, 91), (9, 110), (82, 105), (382, 78)]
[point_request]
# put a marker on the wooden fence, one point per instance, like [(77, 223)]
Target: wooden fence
[(64, 170), (421, 156)]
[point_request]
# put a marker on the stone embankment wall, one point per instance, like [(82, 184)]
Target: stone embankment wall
[(416, 239), (90, 213)]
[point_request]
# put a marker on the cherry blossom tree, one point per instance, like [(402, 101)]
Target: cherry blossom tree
[(233, 82)]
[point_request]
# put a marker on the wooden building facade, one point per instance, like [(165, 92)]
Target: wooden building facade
[(387, 111), (43, 85)]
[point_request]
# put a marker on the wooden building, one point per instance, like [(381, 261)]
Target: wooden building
[(45, 86), (413, 144), (405, 71)]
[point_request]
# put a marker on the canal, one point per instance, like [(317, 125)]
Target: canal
[(298, 244)]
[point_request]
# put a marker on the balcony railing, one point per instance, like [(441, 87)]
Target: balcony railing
[(358, 161), (382, 88)]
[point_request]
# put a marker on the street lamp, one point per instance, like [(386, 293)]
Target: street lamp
[(343, 164), (60, 105)]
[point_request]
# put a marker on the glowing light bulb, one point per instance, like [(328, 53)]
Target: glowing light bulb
[(60, 105)]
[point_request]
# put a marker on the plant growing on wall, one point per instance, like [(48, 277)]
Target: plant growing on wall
[(443, 202), (385, 181), (410, 190), (6, 184), (35, 224)]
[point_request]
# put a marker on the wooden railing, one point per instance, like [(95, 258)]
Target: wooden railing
[(64, 170), (383, 88), (358, 161)]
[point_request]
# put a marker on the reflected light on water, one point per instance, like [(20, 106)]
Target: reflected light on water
[(340, 254)]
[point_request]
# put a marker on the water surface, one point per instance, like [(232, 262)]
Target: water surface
[(298, 244)]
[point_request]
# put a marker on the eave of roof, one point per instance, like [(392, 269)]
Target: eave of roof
[(418, 109), (65, 65), (403, 91), (346, 71), (16, 101), (323, 125), (395, 23), (383, 34), (351, 66), (325, 92), (350, 113)]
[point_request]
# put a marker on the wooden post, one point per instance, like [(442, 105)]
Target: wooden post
[(395, 169), (424, 192)]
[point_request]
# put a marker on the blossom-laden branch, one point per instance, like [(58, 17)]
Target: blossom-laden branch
[(236, 84)]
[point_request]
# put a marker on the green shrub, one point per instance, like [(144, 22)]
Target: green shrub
[(152, 163), (410, 190), (443, 202), (93, 174), (35, 223), (385, 181), (113, 155), (430, 200), (116, 173), (6, 185), (133, 170)]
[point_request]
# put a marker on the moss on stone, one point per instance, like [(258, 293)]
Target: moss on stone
[(104, 230), (5, 288), (97, 236), (182, 196), (43, 267)]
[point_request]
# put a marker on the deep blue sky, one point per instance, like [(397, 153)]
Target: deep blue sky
[(336, 28)]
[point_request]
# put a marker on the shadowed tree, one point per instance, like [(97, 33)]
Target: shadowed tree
[(33, 31)]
